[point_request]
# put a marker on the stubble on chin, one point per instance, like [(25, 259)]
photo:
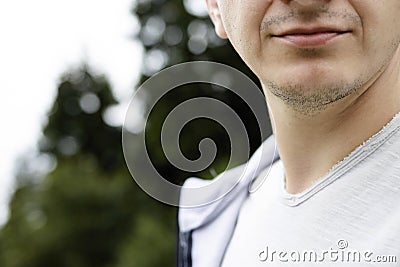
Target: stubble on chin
[(311, 100)]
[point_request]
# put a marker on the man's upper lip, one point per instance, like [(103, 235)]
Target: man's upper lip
[(314, 30)]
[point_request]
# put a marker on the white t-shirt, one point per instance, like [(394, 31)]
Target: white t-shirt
[(349, 217)]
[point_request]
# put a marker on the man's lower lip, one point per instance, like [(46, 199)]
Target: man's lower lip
[(309, 40)]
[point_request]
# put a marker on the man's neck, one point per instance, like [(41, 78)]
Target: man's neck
[(310, 145)]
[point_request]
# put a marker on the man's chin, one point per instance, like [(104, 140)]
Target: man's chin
[(310, 96)]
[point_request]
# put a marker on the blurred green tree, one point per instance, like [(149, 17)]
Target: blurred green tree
[(174, 32), (87, 211), (75, 124)]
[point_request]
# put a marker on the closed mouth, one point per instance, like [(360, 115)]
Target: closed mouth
[(311, 37), (305, 32)]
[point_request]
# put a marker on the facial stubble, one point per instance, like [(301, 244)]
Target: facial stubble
[(315, 97)]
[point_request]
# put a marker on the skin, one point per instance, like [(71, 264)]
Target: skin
[(324, 100)]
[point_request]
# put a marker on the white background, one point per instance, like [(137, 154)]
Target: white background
[(39, 41)]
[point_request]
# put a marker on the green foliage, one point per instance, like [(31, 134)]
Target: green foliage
[(76, 123), (88, 211), (149, 243), (78, 216), (171, 35)]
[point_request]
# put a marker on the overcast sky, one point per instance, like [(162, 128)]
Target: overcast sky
[(39, 41)]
